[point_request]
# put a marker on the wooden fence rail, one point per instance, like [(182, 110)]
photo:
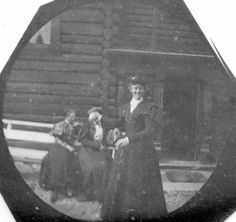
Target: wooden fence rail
[(24, 144), (30, 141), (30, 146)]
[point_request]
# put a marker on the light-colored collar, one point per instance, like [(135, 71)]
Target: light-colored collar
[(98, 123), (134, 103)]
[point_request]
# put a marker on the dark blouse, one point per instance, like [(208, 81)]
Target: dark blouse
[(86, 136), (64, 131), (138, 125)]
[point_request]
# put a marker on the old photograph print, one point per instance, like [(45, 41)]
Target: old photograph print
[(120, 110)]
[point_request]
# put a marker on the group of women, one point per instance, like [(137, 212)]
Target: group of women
[(133, 189)]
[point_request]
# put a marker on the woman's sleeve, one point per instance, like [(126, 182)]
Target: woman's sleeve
[(149, 129), (57, 130), (112, 122), (95, 145), (116, 121), (84, 138)]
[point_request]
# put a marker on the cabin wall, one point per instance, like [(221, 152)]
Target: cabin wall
[(149, 27), (78, 70), (44, 82)]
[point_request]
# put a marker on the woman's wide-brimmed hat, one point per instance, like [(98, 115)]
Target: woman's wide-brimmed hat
[(137, 79), (95, 109)]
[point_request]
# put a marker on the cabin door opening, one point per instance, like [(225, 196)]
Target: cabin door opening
[(179, 114)]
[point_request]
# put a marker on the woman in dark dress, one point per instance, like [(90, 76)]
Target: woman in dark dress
[(62, 172), (94, 157), (135, 188)]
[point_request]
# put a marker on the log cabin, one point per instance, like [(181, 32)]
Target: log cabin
[(82, 57)]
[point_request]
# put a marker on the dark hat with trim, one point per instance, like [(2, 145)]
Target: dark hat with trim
[(95, 109), (137, 79)]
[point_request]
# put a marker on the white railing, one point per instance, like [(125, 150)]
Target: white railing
[(21, 153), (36, 156), (29, 136), (26, 123)]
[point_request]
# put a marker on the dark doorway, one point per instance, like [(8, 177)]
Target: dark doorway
[(179, 106)]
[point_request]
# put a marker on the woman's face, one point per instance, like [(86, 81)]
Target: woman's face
[(71, 117), (137, 91)]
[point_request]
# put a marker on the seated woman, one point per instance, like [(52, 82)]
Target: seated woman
[(93, 156), (60, 169)]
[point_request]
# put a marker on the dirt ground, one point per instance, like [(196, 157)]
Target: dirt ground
[(87, 210)]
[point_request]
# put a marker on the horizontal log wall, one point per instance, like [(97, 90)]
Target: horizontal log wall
[(42, 83), (78, 73), (139, 23)]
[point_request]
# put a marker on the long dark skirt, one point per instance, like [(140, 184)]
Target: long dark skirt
[(135, 188), (60, 170), (95, 167)]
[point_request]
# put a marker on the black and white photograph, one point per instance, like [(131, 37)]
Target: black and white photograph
[(120, 110)]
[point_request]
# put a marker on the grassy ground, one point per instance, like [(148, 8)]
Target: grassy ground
[(85, 209)]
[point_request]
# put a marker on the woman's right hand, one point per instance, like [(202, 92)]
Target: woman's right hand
[(122, 142), (70, 148)]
